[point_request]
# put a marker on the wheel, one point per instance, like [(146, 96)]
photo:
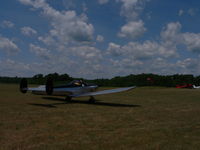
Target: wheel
[(92, 99), (68, 98)]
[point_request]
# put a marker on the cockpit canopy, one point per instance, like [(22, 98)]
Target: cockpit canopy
[(77, 83)]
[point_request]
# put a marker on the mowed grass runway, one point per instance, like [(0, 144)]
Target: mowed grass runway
[(143, 118)]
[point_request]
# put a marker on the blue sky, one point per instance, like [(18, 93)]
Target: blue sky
[(99, 38)]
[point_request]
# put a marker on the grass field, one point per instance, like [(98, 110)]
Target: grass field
[(144, 118)]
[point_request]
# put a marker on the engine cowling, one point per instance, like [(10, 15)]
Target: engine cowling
[(23, 85)]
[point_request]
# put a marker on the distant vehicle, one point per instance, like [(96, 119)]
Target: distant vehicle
[(184, 86), (196, 87), (76, 88)]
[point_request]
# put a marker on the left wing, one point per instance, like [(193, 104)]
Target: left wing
[(104, 92)]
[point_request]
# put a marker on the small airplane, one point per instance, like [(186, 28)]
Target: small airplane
[(190, 86), (196, 87), (76, 88)]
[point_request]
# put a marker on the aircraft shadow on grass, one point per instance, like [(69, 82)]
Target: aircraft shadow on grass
[(53, 105)]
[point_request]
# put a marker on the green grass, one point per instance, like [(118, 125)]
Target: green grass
[(144, 118)]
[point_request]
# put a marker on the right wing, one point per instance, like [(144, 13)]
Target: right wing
[(104, 92)]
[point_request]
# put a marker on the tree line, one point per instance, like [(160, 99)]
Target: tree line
[(130, 80)]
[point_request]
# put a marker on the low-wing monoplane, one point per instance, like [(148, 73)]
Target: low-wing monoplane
[(76, 88)]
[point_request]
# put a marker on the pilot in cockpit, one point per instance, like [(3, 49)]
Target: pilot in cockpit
[(79, 83)]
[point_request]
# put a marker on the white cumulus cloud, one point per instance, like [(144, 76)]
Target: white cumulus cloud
[(8, 46), (67, 26), (133, 29), (7, 24), (172, 37), (192, 41), (72, 35), (192, 11), (100, 38), (13, 68), (131, 10), (181, 12), (140, 51), (171, 31), (114, 49), (41, 52), (28, 31)]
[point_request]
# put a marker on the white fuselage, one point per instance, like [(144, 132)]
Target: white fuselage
[(65, 91), (196, 87)]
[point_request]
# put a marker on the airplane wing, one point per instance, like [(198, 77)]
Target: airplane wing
[(104, 92), (31, 89)]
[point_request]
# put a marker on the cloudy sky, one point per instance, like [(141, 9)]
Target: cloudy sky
[(99, 38)]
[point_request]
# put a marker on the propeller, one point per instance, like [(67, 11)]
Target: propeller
[(23, 85), (49, 86)]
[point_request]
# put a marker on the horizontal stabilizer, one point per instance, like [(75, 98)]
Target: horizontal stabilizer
[(40, 88)]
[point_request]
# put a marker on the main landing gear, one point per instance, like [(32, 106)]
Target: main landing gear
[(92, 99), (68, 98)]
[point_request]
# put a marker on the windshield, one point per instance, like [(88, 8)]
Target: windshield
[(77, 83)]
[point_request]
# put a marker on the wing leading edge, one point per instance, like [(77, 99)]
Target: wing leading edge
[(104, 92)]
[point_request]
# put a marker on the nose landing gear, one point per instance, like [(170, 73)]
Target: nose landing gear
[(68, 98)]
